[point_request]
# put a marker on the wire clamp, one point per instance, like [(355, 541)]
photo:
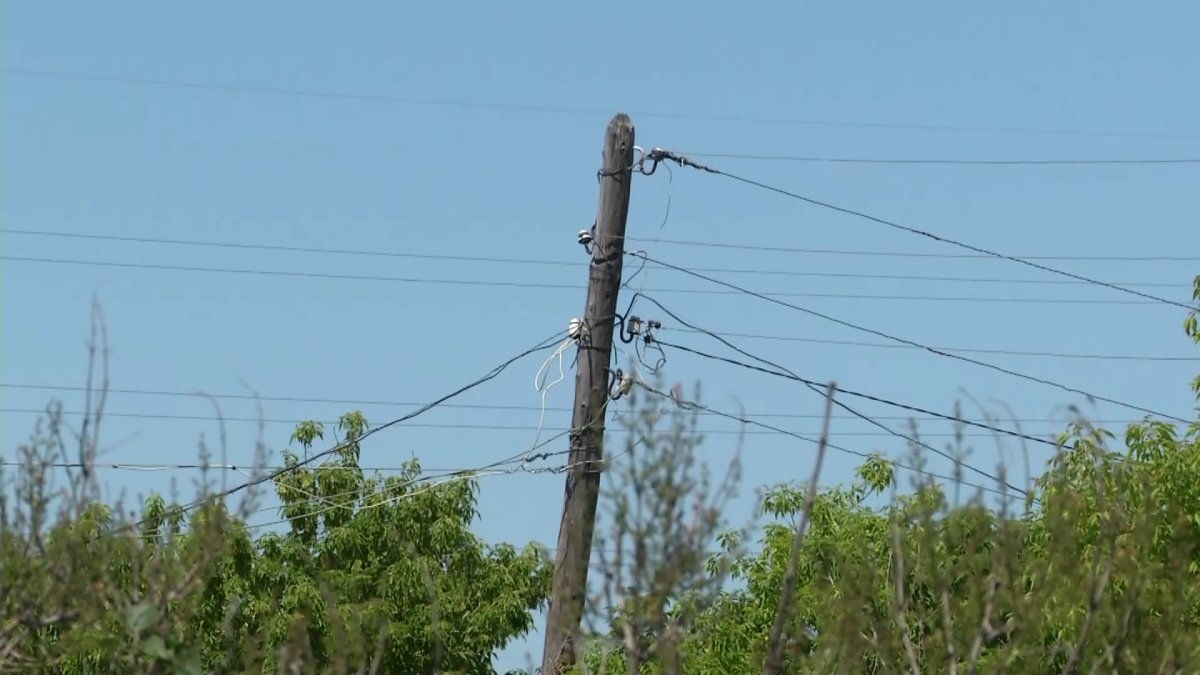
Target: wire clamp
[(576, 329)]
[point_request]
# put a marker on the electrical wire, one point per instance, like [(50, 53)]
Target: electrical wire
[(285, 248), (815, 388), (465, 406), (331, 499), (907, 254), (546, 285), (932, 350), (571, 110), (787, 374), (539, 380), (951, 162), (274, 475), (965, 350), (683, 161), (415, 425), (686, 404), (434, 482), (151, 467), (543, 262)]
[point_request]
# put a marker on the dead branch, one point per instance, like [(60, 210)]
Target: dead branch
[(902, 601), (775, 642)]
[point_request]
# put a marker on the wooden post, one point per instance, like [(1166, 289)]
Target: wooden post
[(591, 396)]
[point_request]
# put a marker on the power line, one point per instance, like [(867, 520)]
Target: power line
[(543, 262), (905, 254), (576, 110), (815, 388), (462, 406), (932, 350), (415, 425), (809, 439), (965, 350), (555, 286), (284, 248), (951, 162), (575, 265), (151, 467), (273, 475), (659, 155), (787, 374), (285, 273)]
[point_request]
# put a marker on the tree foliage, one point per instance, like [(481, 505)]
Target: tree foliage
[(371, 574), (1095, 570)]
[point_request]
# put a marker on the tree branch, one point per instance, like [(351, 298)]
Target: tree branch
[(774, 661)]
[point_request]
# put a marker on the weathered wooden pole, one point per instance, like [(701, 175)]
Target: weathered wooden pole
[(591, 396)]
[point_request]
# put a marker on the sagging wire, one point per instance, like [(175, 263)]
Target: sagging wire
[(641, 268), (274, 476), (675, 396), (432, 483), (658, 155), (334, 502), (670, 191), (576, 331), (780, 371), (640, 333), (905, 341)]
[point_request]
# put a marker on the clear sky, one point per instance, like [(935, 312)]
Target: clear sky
[(474, 129)]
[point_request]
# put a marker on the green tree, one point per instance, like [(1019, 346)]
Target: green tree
[(371, 574), (1096, 570), (381, 563)]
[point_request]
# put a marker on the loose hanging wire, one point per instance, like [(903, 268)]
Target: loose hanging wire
[(575, 329)]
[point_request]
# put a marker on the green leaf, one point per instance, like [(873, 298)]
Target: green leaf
[(155, 647), (141, 616)]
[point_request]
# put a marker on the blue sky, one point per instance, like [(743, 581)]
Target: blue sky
[(475, 130)]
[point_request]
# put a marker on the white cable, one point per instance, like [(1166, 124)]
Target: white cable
[(575, 331), (539, 384)]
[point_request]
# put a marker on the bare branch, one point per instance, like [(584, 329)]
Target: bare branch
[(948, 633), (434, 613), (775, 642), (902, 601), (379, 647), (1102, 567), (986, 630)]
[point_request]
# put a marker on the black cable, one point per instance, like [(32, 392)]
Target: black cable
[(285, 273), (905, 254), (544, 344), (538, 284), (300, 399), (146, 467), (573, 110), (1005, 352), (553, 263), (856, 453), (284, 248), (953, 162), (683, 161), (816, 388), (416, 425), (910, 343), (789, 375)]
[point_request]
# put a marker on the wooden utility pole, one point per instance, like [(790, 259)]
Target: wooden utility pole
[(591, 395)]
